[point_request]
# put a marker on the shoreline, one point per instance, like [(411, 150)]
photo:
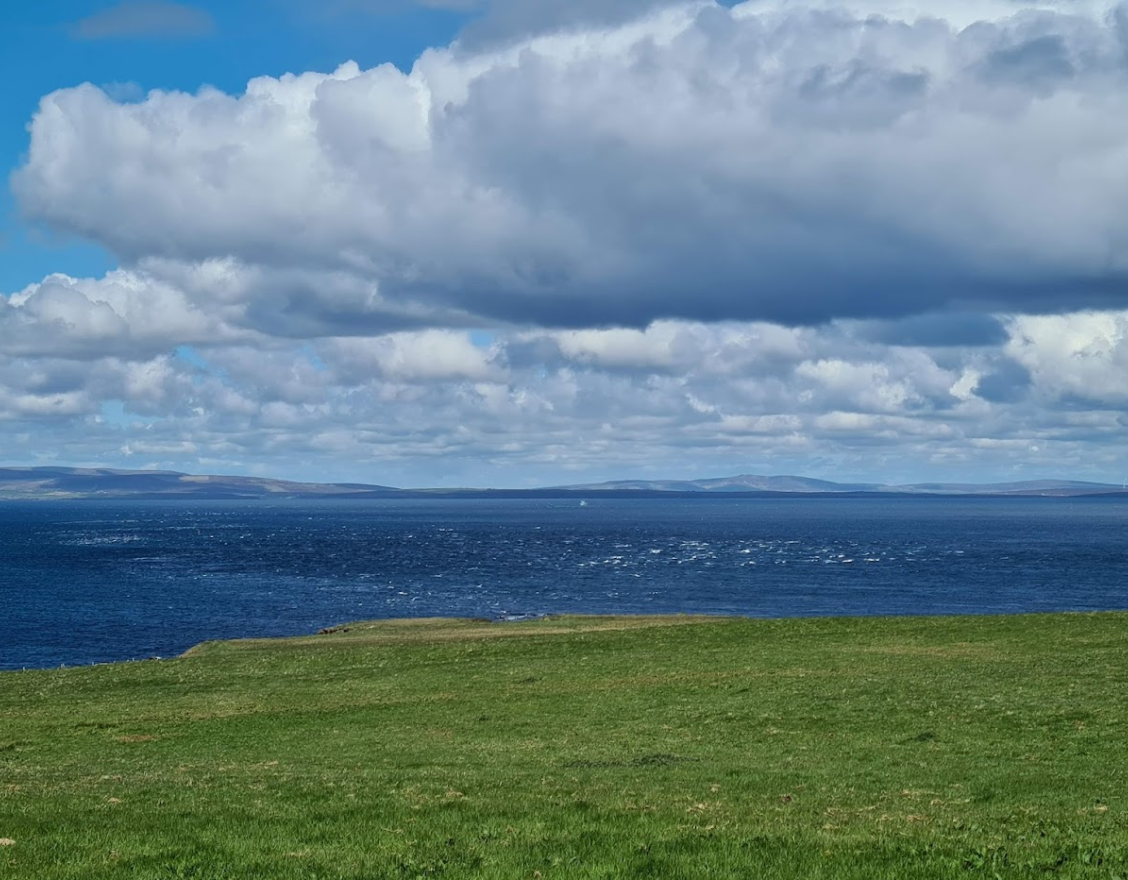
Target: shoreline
[(387, 629)]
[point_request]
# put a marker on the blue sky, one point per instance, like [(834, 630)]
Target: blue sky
[(567, 241)]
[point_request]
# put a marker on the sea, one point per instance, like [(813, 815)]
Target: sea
[(86, 582)]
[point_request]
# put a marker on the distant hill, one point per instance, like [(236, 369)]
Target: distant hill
[(741, 483), (63, 482), (46, 483), (1027, 487), (791, 484)]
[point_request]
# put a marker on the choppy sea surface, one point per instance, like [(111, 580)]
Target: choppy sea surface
[(87, 582)]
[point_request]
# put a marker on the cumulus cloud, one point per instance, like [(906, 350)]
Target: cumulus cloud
[(428, 356), (145, 19), (1080, 356), (780, 162), (127, 313), (859, 240), (521, 406)]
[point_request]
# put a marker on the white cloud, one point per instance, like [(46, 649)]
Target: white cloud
[(429, 355), (1082, 355), (127, 313), (771, 162), (432, 407), (652, 348), (782, 237)]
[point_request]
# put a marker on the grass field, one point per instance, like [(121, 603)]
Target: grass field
[(584, 747)]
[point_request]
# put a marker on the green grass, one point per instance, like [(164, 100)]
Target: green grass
[(584, 747)]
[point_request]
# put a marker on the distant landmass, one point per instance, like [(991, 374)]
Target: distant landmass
[(48, 483), (807, 485), (64, 483)]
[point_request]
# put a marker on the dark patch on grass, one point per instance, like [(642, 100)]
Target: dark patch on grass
[(925, 736), (655, 760)]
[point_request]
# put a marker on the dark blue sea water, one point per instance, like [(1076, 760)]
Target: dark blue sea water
[(85, 582)]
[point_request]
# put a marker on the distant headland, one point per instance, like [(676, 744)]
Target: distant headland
[(65, 483)]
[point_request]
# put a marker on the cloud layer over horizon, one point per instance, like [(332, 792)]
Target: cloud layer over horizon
[(855, 239)]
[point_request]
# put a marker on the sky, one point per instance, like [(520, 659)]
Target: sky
[(535, 242)]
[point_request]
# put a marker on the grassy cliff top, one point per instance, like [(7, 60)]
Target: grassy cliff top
[(583, 747)]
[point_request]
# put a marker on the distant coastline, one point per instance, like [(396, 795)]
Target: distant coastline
[(67, 483)]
